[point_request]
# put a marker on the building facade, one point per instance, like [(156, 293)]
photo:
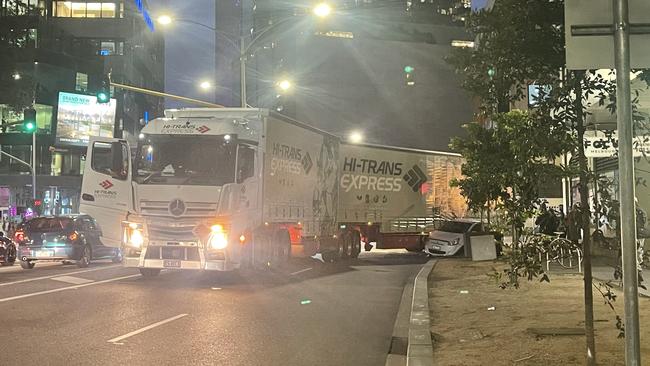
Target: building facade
[(349, 71), (69, 47)]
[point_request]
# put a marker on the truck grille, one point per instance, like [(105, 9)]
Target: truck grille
[(172, 230), (181, 253), (192, 209)]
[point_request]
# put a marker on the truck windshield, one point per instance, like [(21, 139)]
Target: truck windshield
[(192, 160)]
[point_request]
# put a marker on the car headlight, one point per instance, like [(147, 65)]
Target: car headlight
[(455, 241), (218, 238)]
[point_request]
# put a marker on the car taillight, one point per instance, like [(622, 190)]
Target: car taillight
[(73, 236), (19, 236)]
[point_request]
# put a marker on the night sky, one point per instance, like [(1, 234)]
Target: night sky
[(189, 49)]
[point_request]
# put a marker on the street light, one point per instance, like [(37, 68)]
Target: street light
[(284, 85), (164, 19), (355, 137), (322, 10)]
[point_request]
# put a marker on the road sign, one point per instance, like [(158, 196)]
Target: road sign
[(589, 29)]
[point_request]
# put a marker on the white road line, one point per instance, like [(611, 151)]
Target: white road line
[(57, 275), (72, 280), (67, 288), (301, 271), (131, 334)]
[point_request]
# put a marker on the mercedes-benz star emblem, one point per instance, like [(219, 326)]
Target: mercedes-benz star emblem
[(177, 207)]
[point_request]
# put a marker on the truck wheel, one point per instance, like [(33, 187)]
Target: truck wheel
[(282, 246), (347, 245), (329, 256), (149, 272), (27, 264), (356, 243)]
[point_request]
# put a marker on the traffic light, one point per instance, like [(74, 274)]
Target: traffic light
[(29, 120), (491, 72), (104, 92), (410, 75)]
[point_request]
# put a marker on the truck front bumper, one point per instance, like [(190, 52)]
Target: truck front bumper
[(203, 263)]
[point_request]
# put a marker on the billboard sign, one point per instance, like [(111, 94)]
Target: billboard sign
[(80, 116), (604, 144)]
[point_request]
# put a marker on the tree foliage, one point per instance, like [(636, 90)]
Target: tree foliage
[(510, 162)]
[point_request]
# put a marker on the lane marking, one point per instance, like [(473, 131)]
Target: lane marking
[(59, 274), (301, 271), (72, 280), (67, 288), (16, 266), (138, 331)]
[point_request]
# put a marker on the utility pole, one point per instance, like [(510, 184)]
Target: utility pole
[(626, 181)]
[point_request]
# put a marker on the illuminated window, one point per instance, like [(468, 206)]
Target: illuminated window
[(94, 10), (78, 10), (108, 10), (107, 48), (63, 9), (83, 9), (81, 82)]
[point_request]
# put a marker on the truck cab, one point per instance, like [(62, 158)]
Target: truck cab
[(186, 195)]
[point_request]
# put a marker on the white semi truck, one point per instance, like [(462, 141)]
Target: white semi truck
[(226, 188)]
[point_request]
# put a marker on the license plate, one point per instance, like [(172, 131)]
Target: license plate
[(171, 263), (44, 253), (436, 247)]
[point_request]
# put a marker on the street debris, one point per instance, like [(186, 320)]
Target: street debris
[(524, 359)]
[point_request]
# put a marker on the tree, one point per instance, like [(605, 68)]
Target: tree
[(508, 163), (521, 42)]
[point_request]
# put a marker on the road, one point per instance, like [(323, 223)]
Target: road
[(307, 313)]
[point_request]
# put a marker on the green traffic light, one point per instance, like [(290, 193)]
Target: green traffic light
[(409, 69), (29, 126), (102, 97)]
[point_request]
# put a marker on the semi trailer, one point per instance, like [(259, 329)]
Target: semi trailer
[(229, 188)]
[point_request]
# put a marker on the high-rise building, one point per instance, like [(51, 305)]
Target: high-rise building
[(376, 66), (65, 49)]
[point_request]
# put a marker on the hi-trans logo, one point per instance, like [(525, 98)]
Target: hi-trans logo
[(379, 175), (187, 128), (290, 159)]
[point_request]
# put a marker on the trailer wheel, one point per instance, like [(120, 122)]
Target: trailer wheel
[(281, 247), (346, 243), (356, 243)]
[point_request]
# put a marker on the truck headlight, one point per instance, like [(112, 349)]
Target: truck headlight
[(136, 239), (133, 236), (218, 238)]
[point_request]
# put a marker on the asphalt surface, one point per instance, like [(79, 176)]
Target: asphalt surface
[(306, 313)]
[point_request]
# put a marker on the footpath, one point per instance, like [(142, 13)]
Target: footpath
[(474, 322)]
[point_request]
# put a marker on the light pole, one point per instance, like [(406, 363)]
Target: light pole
[(321, 10)]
